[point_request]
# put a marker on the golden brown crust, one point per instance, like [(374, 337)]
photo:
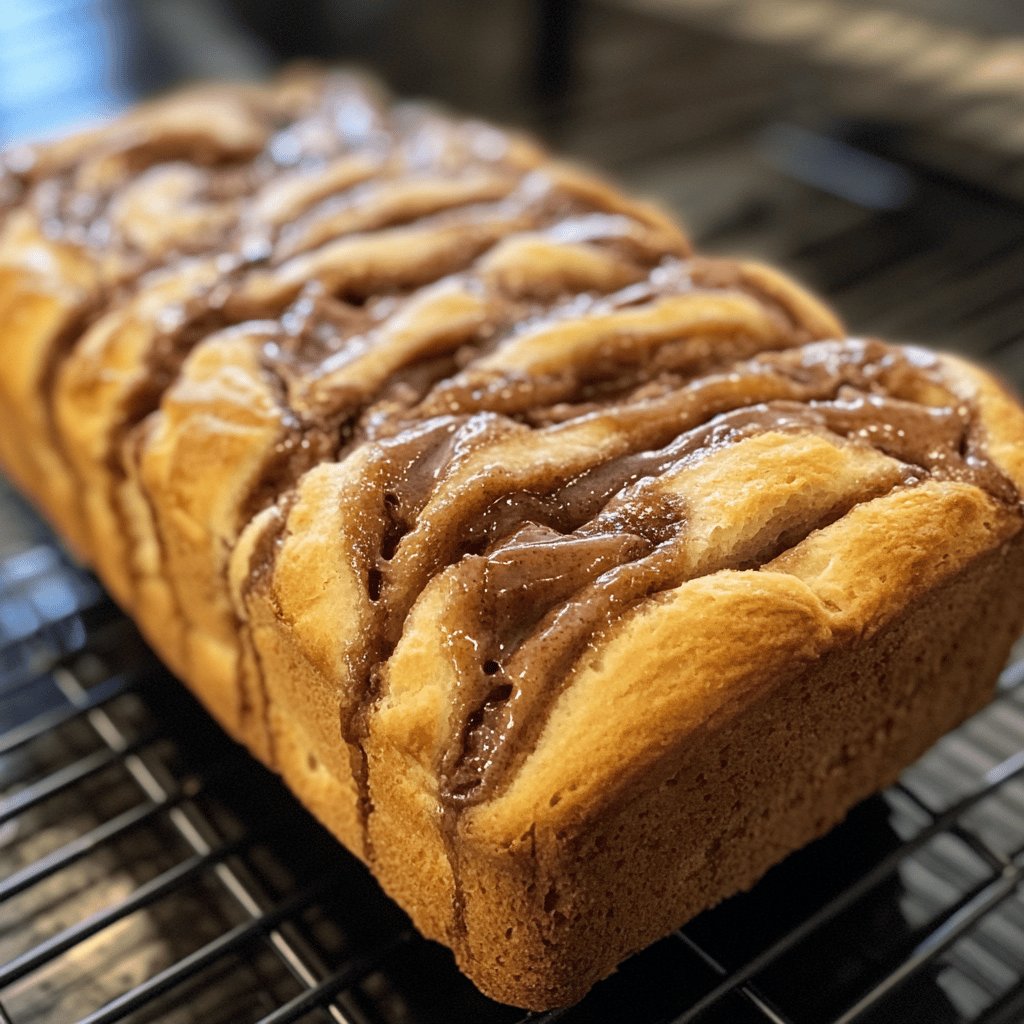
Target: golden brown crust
[(39, 316), (722, 805), (1000, 415), (571, 579)]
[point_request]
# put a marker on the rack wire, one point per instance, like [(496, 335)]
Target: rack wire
[(150, 871)]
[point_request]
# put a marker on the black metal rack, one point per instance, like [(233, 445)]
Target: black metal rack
[(153, 872), (150, 871)]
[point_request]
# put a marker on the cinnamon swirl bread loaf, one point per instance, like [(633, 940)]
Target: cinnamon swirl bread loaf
[(570, 578)]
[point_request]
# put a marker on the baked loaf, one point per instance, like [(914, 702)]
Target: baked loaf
[(569, 578)]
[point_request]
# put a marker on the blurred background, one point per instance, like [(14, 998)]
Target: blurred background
[(875, 149)]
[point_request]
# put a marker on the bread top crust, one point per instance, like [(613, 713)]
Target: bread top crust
[(504, 453), (736, 632)]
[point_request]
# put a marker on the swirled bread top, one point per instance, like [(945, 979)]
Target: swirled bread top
[(518, 367)]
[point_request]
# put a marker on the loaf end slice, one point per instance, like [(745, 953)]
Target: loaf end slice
[(720, 728)]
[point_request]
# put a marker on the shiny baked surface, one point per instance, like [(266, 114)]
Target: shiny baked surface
[(452, 480)]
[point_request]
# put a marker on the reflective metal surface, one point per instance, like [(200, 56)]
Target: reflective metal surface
[(150, 871)]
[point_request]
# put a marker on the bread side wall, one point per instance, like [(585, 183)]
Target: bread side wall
[(725, 804)]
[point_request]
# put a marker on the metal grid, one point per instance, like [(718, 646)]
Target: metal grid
[(152, 872)]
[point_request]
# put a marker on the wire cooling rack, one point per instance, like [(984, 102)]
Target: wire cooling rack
[(150, 871)]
